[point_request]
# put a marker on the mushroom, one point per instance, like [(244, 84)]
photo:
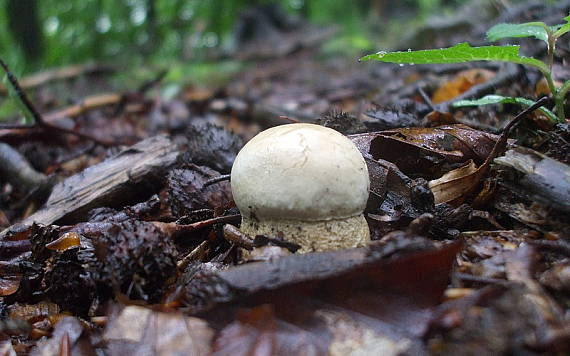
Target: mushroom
[(304, 182)]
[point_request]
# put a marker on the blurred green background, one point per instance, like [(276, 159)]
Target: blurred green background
[(36, 34)]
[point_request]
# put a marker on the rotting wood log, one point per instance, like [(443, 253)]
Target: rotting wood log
[(115, 182)]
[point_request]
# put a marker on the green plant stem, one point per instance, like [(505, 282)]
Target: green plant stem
[(559, 100), (551, 46), (557, 94)]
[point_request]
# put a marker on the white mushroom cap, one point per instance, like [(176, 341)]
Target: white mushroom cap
[(306, 181)]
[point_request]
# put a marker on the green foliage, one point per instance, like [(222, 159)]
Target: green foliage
[(563, 28), (508, 30), (76, 31), (459, 53), (125, 32), (499, 99), (463, 52)]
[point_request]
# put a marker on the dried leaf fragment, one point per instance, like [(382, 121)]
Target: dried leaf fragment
[(454, 185), (65, 242)]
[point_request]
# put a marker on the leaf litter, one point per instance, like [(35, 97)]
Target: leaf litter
[(469, 252)]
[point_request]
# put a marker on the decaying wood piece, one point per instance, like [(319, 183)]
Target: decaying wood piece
[(15, 169), (113, 182), (543, 179)]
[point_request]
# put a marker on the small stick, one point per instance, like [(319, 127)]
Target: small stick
[(153, 82), (64, 346), (194, 255), (426, 99), (21, 95), (39, 121), (234, 235), (290, 119), (171, 229), (217, 179), (502, 141)]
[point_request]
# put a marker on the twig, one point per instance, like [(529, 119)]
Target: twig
[(39, 121), (88, 103), (21, 95), (146, 86), (290, 119), (426, 98), (234, 235), (194, 255), (502, 141), (217, 179), (173, 229)]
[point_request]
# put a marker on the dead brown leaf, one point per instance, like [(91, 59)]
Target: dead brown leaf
[(136, 330), (452, 186), (357, 302), (462, 82)]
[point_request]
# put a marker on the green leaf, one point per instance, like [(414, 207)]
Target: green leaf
[(459, 53), (498, 99), (562, 29), (537, 30)]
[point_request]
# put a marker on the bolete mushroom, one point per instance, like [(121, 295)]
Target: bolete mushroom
[(304, 182)]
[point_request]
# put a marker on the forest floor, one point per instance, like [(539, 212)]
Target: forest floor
[(120, 233)]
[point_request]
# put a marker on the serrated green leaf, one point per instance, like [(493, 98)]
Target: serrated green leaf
[(537, 30), (462, 52), (499, 99)]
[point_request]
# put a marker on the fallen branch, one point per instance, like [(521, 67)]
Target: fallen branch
[(114, 182), (15, 169)]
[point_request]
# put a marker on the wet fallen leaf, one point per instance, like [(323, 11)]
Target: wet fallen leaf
[(297, 304), (423, 151), (462, 82)]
